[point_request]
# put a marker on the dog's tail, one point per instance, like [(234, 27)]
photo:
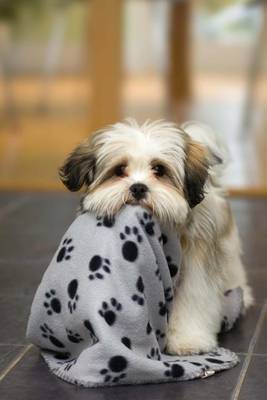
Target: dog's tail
[(220, 156)]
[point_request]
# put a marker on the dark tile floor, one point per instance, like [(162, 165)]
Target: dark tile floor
[(31, 226)]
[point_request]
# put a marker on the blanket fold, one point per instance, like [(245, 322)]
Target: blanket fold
[(100, 313)]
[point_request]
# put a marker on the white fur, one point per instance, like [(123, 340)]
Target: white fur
[(139, 146)]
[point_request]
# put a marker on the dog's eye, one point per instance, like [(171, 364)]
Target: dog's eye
[(159, 170), (120, 170)]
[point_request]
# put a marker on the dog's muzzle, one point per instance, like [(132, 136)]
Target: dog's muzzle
[(138, 190)]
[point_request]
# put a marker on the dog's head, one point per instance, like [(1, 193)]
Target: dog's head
[(156, 165)]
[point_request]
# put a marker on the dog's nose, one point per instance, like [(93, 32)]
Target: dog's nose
[(138, 190)]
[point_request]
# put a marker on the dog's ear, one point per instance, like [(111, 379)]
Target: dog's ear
[(196, 172), (79, 167)]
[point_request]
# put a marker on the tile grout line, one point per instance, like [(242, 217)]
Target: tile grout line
[(14, 362), (252, 344), (13, 206)]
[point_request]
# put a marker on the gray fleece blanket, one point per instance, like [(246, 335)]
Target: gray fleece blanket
[(101, 311)]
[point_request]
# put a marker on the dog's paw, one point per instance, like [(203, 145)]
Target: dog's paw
[(186, 345)]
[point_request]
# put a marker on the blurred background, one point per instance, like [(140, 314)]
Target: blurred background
[(68, 67)]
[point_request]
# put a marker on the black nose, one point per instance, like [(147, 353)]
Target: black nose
[(138, 190)]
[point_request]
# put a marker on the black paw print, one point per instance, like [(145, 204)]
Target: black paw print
[(154, 354), (159, 334), (163, 239), (139, 298), (90, 328), (148, 224), (108, 311), (162, 308), (72, 292), (52, 303), (74, 337), (47, 333), (130, 248), (127, 342), (96, 265), (62, 356), (174, 370), (172, 267), (114, 371), (66, 249), (168, 294), (148, 328), (106, 221)]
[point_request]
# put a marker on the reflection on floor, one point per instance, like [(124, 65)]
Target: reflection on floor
[(41, 124)]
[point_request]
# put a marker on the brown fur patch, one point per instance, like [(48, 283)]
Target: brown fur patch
[(196, 172)]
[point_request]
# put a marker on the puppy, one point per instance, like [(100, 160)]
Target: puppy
[(174, 172)]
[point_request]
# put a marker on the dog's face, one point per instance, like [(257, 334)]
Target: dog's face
[(155, 165)]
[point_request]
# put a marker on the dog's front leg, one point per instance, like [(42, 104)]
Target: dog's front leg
[(196, 314)]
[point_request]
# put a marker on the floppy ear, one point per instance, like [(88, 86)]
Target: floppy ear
[(196, 172), (79, 167)]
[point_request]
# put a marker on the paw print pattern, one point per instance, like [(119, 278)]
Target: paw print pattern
[(129, 247), (73, 296), (172, 267), (173, 370), (127, 342), (52, 303), (107, 222), (109, 311), (159, 334), (114, 371), (154, 354), (73, 337), (90, 328), (66, 249), (62, 356), (148, 224), (168, 294), (162, 309), (163, 239), (140, 297), (97, 266), (48, 333)]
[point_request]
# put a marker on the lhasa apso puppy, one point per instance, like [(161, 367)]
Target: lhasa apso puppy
[(175, 173)]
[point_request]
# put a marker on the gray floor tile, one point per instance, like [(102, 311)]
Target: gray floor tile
[(255, 383), (14, 313), (18, 246), (21, 278), (9, 197), (249, 214), (258, 281), (239, 337), (31, 380), (43, 213), (261, 345), (7, 354)]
